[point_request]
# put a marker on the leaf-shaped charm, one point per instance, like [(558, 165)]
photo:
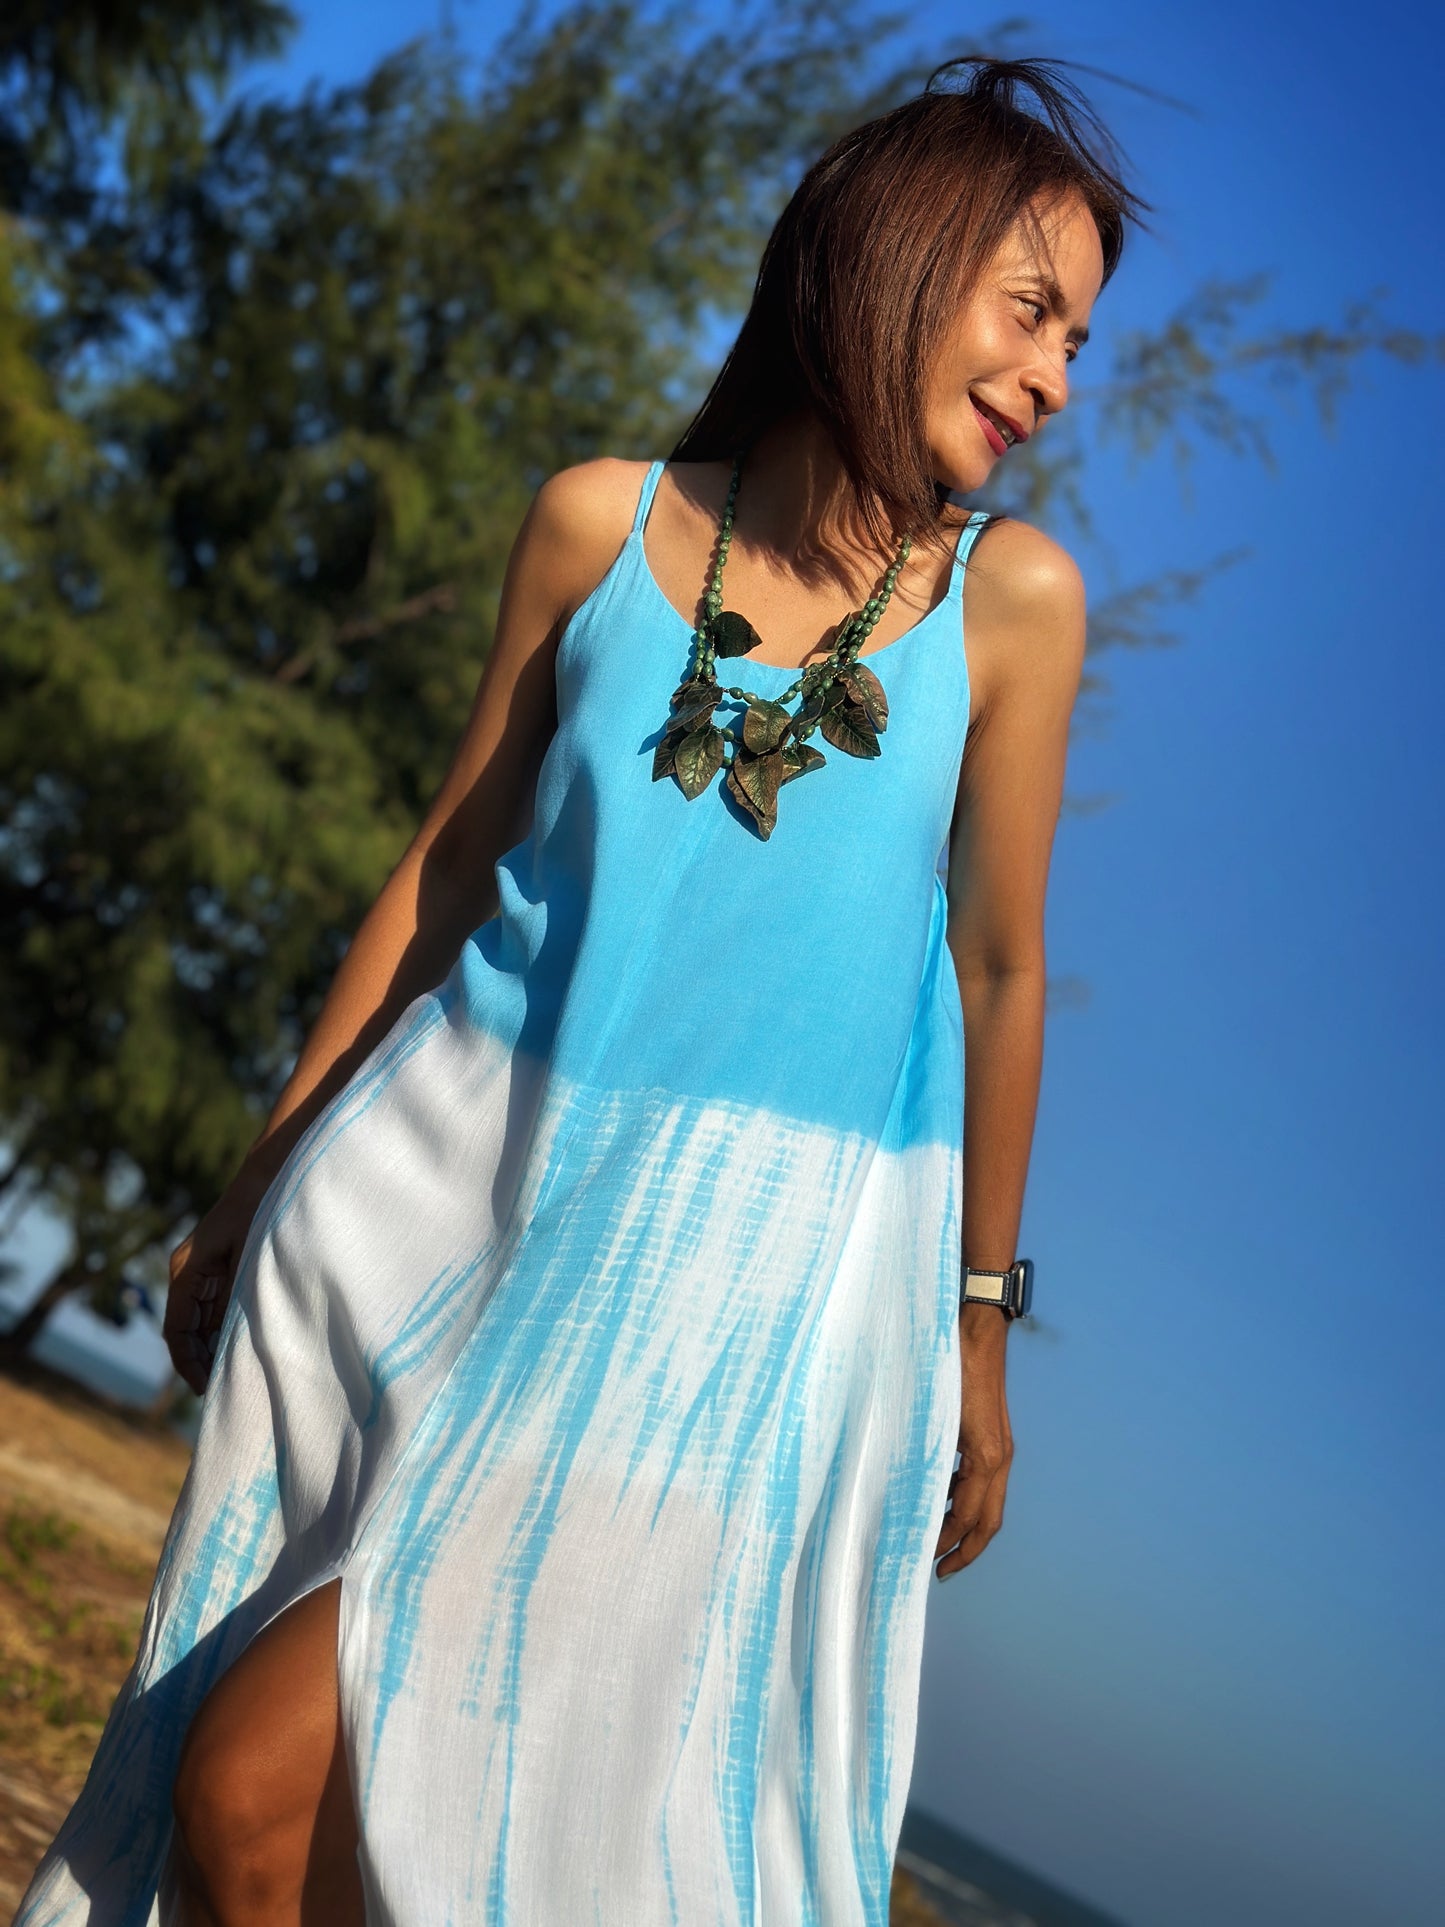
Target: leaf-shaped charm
[(754, 781), (662, 756), (763, 726), (847, 727), (694, 688), (698, 759), (694, 710), (799, 758), (731, 634), (812, 711), (866, 690)]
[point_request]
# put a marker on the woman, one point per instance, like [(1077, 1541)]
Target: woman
[(589, 1360)]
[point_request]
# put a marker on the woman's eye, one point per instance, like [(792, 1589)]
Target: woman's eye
[(1030, 301)]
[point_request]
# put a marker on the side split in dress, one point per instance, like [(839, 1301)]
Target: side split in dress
[(602, 1335)]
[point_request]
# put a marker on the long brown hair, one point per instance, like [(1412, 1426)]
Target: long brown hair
[(885, 236)]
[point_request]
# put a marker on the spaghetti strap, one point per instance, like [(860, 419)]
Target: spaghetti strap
[(972, 529), (644, 500)]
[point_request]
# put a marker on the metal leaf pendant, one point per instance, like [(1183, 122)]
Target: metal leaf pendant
[(799, 758), (692, 700), (731, 634), (846, 725), (764, 726), (867, 692), (662, 756), (754, 781), (692, 704), (698, 759)]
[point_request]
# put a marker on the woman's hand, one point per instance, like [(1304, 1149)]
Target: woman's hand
[(203, 1270), (976, 1490)]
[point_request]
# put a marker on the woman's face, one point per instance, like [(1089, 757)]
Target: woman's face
[(1004, 365)]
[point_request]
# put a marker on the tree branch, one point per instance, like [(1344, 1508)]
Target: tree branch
[(441, 600)]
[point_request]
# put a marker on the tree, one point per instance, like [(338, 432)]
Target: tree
[(255, 504), (100, 102), (241, 632)]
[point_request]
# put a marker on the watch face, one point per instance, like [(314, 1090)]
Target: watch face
[(1026, 1287)]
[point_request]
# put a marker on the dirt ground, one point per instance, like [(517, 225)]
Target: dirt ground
[(86, 1491)]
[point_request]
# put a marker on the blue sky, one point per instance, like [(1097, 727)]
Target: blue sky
[(1198, 1677)]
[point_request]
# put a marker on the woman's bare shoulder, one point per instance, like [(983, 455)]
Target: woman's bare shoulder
[(595, 498), (1024, 612), (579, 519), (1016, 569)]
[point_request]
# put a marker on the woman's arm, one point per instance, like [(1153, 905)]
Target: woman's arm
[(1025, 617), (444, 886)]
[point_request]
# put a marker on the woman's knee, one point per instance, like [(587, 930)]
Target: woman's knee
[(235, 1833), (255, 1761)]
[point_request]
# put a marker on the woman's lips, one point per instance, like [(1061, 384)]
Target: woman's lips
[(995, 441)]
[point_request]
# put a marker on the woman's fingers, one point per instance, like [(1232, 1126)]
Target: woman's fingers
[(973, 1520), (189, 1358), (195, 1310), (187, 1349), (967, 1494), (975, 1512)]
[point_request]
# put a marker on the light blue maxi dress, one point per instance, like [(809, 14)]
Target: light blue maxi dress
[(602, 1334)]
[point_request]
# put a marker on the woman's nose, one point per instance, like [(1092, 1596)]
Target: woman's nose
[(1048, 383)]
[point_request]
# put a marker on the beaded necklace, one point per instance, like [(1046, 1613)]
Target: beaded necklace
[(840, 697)]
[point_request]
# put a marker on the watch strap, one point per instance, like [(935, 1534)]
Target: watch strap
[(1012, 1290)]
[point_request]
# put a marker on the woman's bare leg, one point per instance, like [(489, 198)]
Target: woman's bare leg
[(265, 1823)]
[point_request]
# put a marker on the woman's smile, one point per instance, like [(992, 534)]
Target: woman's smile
[(1000, 431)]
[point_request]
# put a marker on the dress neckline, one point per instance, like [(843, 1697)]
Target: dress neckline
[(789, 670)]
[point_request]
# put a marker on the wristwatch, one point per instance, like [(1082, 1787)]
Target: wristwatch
[(1012, 1290)]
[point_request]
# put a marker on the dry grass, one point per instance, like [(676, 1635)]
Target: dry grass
[(85, 1493), (71, 1619)]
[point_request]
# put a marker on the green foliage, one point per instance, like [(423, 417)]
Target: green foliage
[(101, 103), (1182, 381)]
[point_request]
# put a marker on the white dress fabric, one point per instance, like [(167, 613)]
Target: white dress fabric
[(602, 1335)]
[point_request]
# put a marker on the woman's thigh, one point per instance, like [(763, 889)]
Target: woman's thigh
[(262, 1796)]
